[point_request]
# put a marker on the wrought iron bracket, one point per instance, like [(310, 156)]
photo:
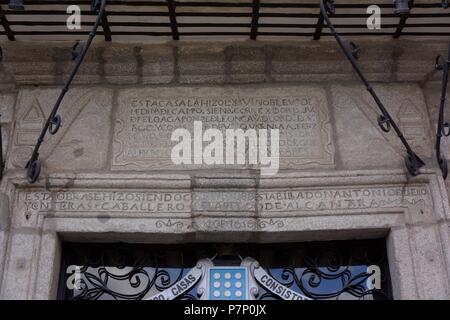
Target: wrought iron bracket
[(385, 121), (54, 120), (443, 128)]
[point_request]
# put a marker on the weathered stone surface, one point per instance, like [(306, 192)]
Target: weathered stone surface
[(291, 63), (417, 62), (213, 62), (109, 201), (273, 207), (282, 208), (158, 64), (201, 64), (432, 92), (48, 270), (429, 266), (3, 245), (89, 71), (7, 82), (121, 65), (81, 200), (146, 119), (5, 140), (30, 64), (324, 61), (5, 222), (5, 218), (19, 263), (306, 200), (444, 231), (82, 141), (6, 107), (361, 142), (248, 64), (401, 265)]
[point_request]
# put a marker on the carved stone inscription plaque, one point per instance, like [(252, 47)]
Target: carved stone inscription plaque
[(146, 119), (257, 204), (114, 201), (314, 199)]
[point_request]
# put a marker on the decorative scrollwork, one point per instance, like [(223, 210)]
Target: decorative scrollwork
[(53, 122), (76, 50), (385, 121), (54, 125), (33, 170), (339, 273), (117, 275), (446, 129), (355, 50), (169, 223), (315, 270), (443, 128)]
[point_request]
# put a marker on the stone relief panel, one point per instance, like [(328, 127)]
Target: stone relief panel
[(6, 107), (82, 141), (7, 102), (147, 117), (362, 144), (5, 139), (432, 93)]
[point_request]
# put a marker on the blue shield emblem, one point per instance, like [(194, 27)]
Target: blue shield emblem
[(227, 283)]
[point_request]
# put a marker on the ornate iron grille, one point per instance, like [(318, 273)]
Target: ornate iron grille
[(252, 19), (317, 270)]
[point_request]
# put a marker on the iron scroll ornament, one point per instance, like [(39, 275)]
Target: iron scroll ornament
[(385, 121), (333, 270), (443, 128), (53, 122)]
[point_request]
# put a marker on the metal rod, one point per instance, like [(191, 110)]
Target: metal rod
[(385, 121), (401, 26), (255, 19), (6, 25), (54, 121), (319, 27), (173, 19), (106, 27), (403, 19), (442, 128)]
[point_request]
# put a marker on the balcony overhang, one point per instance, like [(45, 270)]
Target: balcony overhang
[(165, 20)]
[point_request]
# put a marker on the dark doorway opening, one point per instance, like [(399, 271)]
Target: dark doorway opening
[(343, 270)]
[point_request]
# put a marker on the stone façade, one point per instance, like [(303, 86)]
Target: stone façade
[(346, 182)]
